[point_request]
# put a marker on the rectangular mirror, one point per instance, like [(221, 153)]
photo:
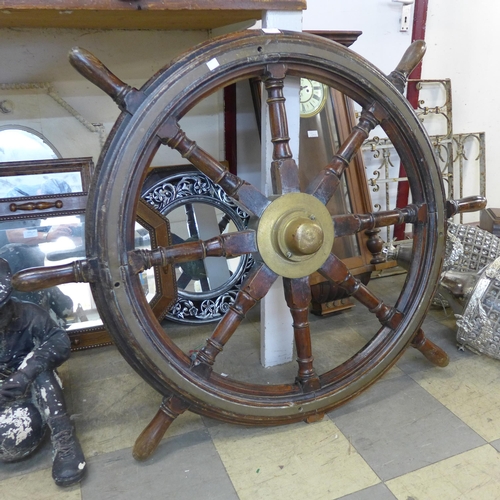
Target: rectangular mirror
[(53, 186), (45, 230), (45, 177)]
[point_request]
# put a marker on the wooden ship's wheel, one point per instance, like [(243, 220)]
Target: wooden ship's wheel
[(289, 234)]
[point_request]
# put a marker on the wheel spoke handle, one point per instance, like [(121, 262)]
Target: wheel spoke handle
[(348, 224), (298, 298), (39, 278), (127, 97), (285, 173), (274, 84), (249, 197), (468, 204), (325, 184), (149, 439), (431, 351), (412, 56), (227, 245)]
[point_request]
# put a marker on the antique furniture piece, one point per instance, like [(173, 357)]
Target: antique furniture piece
[(290, 234), (36, 196), (471, 284), (197, 208)]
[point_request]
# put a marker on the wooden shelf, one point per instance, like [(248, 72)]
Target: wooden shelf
[(137, 14)]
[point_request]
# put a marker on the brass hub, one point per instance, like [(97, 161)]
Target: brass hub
[(295, 235), (298, 236)]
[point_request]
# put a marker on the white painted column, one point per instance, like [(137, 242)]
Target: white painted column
[(276, 320)]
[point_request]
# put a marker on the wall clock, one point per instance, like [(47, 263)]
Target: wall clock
[(312, 97)]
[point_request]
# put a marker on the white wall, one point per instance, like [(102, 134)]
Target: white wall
[(462, 38), (382, 42)]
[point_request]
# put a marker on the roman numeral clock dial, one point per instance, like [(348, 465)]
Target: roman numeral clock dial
[(312, 97)]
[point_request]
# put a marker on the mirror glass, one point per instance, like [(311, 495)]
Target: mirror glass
[(54, 241), (16, 186), (20, 144)]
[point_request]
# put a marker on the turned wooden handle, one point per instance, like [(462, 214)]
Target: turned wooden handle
[(39, 278), (413, 55), (468, 204), (94, 70), (150, 437), (41, 205), (408, 63), (431, 351)]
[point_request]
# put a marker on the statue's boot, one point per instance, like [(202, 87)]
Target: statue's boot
[(68, 462)]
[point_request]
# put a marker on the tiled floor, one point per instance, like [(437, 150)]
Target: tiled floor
[(420, 432)]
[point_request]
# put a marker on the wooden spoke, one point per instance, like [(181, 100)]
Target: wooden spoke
[(337, 272), (327, 181), (348, 224), (251, 199), (40, 278), (298, 298), (254, 288), (227, 245), (284, 170), (149, 439)]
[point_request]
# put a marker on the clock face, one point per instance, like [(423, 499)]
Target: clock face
[(312, 97)]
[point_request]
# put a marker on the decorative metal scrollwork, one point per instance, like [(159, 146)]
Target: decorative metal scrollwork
[(199, 301), (452, 150)]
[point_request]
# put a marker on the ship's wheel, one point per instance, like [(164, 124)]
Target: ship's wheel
[(289, 235)]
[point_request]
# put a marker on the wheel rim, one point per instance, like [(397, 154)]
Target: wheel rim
[(121, 172)]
